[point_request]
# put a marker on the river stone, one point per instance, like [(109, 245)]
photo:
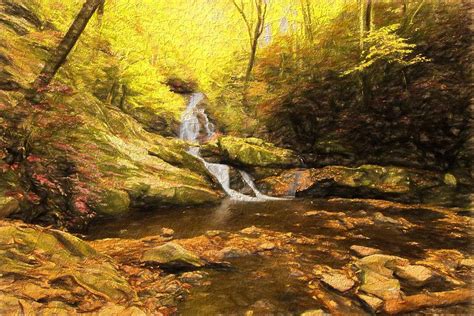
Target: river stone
[(338, 281), (314, 312), (363, 251), (415, 274), (379, 285), (373, 302), (266, 246), (379, 217), (467, 263), (233, 252), (167, 232), (172, 254), (381, 264)]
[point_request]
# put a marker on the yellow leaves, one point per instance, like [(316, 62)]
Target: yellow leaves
[(385, 44)]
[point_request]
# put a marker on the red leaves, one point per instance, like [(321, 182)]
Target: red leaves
[(33, 198), (59, 88), (44, 181), (33, 159), (81, 206)]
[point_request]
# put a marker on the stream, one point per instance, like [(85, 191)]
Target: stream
[(277, 283)]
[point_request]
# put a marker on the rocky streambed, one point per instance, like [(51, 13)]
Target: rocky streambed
[(310, 257)]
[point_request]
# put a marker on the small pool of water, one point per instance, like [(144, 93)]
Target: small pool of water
[(268, 285)]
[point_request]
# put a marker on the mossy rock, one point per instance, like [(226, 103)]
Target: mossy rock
[(113, 202), (254, 152), (366, 181), (172, 255), (39, 256)]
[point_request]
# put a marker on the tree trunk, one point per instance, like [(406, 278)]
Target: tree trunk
[(253, 53), (361, 25), (123, 98), (369, 11), (67, 43)]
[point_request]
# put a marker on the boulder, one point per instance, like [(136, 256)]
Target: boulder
[(367, 181), (49, 265), (254, 152), (172, 255)]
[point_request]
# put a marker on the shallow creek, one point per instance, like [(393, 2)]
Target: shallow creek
[(277, 283)]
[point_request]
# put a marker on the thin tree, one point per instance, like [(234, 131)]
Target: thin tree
[(307, 19), (59, 56), (255, 26), (366, 25)]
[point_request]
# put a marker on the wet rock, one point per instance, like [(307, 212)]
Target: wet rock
[(381, 264), (172, 254), (266, 246), (376, 275), (314, 312), (254, 152), (374, 303), (167, 232), (113, 202), (415, 274), (338, 281), (214, 233), (445, 262), (288, 183), (252, 230), (366, 181), (363, 251), (379, 285), (192, 277), (233, 252), (336, 304), (49, 265), (469, 263), (379, 217)]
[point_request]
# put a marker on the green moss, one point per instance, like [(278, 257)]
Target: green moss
[(255, 152), (57, 255)]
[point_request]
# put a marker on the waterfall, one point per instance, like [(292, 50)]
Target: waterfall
[(193, 122)]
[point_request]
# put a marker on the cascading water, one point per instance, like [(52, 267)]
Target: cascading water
[(193, 121)]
